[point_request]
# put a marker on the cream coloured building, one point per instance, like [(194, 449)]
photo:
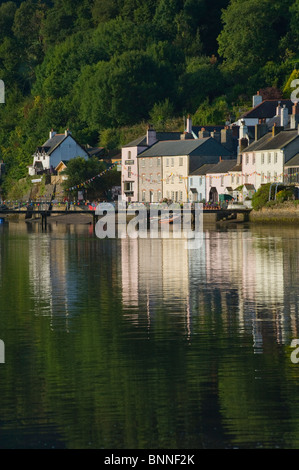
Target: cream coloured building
[(177, 160)]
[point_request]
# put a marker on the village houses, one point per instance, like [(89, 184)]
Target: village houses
[(204, 163), (170, 164)]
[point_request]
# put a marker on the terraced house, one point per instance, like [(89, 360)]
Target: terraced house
[(164, 168)]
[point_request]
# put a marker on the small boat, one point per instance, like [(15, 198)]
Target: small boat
[(169, 219)]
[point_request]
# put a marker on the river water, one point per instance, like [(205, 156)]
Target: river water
[(144, 344)]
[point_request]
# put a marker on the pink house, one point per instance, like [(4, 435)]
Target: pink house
[(219, 180)]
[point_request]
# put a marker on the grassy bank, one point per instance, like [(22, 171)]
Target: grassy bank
[(286, 212)]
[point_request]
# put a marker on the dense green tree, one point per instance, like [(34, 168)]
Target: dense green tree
[(248, 38), (85, 174), (7, 14)]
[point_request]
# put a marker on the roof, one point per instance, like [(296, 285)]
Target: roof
[(51, 144), (223, 166), (173, 148), (267, 109), (206, 147), (268, 142), (294, 161), (94, 151), (141, 141), (237, 167), (202, 170), (193, 190), (248, 186)]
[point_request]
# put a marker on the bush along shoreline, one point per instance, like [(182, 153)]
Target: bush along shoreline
[(280, 207)]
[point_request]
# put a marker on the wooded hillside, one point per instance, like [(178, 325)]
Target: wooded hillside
[(97, 67)]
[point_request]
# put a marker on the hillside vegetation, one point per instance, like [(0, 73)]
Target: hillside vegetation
[(104, 68)]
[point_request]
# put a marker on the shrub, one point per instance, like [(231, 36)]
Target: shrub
[(261, 197), (284, 195)]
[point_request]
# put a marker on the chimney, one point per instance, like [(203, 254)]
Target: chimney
[(276, 129), (284, 116), (186, 136), (243, 144), (203, 133), (278, 109), (67, 132), (189, 125), (294, 118), (256, 99), (151, 136), (243, 130), (216, 135), (260, 130), (226, 137), (51, 134)]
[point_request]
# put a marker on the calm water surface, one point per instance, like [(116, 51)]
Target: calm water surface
[(142, 344)]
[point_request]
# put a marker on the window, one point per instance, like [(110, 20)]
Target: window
[(269, 157), (268, 176), (159, 195), (275, 176), (181, 195), (172, 179), (191, 181), (129, 154), (247, 159), (233, 178), (129, 172), (167, 161), (128, 186), (246, 179), (176, 196), (275, 157), (181, 161), (172, 162), (263, 159), (238, 179), (151, 178), (158, 161), (172, 195), (211, 178), (143, 195), (200, 196), (253, 159), (143, 162), (180, 179), (151, 162), (222, 180)]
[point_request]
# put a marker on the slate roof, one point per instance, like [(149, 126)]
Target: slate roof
[(294, 161), (202, 170), (206, 146), (267, 109), (237, 168), (51, 144), (223, 167), (141, 141), (268, 142)]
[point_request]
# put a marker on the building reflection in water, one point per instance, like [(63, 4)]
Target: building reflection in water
[(236, 274), (53, 291)]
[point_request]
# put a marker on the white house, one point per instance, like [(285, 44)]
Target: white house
[(197, 183), (265, 160), (59, 147)]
